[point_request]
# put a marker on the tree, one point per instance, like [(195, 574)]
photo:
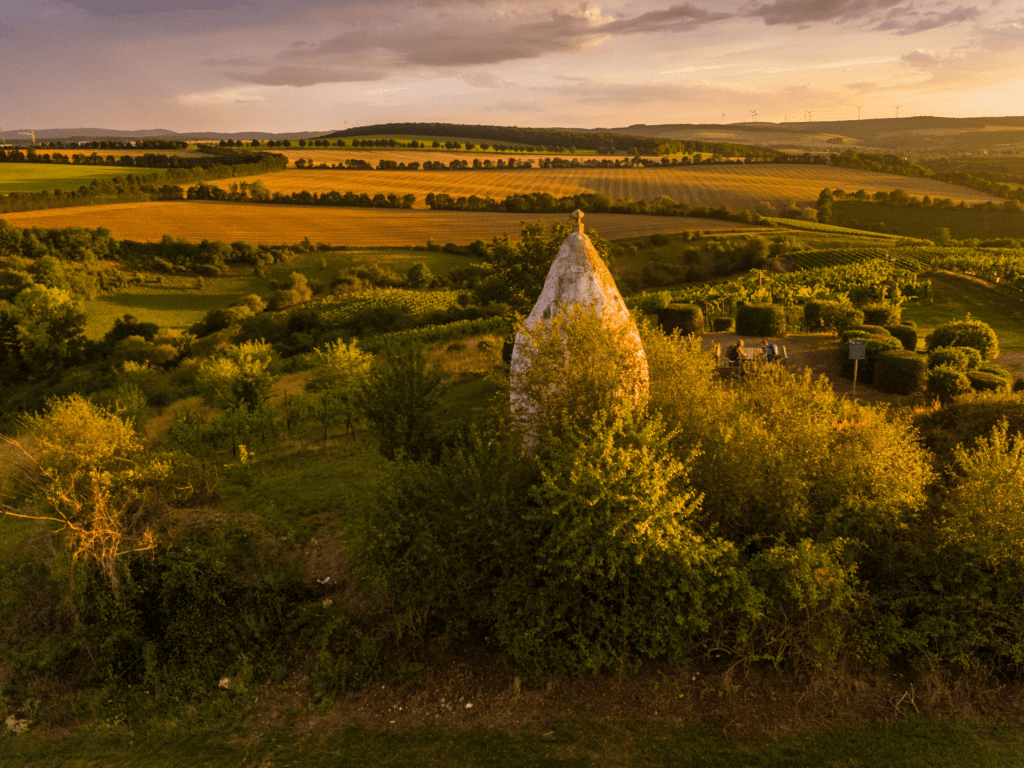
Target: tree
[(85, 470), (399, 397), (239, 382), (339, 375)]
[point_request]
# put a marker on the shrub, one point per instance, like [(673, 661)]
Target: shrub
[(906, 335), (947, 383), (760, 320), (908, 324), (876, 345), (997, 370), (970, 418), (687, 318), (794, 317), (901, 372), (881, 314), (983, 507), (965, 333), (827, 315), (723, 323), (873, 330), (960, 358), (983, 381)]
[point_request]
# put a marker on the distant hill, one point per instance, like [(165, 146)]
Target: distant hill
[(100, 134), (919, 135)]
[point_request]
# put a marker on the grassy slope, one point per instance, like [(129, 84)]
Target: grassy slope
[(38, 177), (176, 304), (955, 297)]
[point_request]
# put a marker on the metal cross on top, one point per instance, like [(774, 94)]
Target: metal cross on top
[(578, 225)]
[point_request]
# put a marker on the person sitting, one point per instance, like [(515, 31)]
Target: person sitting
[(770, 351), (736, 352)]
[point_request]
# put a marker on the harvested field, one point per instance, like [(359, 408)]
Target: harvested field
[(40, 177), (274, 224), (741, 187)]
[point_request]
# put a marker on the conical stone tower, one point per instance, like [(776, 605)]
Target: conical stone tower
[(579, 278)]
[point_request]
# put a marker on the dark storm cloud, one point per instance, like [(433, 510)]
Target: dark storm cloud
[(909, 21), (809, 11)]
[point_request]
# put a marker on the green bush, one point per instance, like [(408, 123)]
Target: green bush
[(760, 320), (794, 317), (908, 324), (881, 314), (965, 333), (970, 418), (901, 372), (874, 330), (686, 318), (876, 345), (826, 315), (989, 382), (906, 335), (961, 358), (997, 370), (849, 319), (722, 324), (947, 383)]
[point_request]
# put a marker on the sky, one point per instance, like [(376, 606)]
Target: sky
[(311, 65)]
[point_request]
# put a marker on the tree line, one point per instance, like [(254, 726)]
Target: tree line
[(602, 142)]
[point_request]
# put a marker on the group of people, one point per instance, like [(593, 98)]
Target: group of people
[(737, 351)]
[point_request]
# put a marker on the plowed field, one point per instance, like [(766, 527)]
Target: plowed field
[(274, 224), (741, 187)]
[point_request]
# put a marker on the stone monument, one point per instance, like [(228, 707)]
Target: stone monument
[(579, 278)]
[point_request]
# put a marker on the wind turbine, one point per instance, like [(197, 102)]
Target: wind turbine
[(858, 111), (753, 114), (898, 110), (723, 118), (808, 113)]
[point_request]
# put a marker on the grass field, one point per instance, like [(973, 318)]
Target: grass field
[(177, 305), (37, 177), (369, 227), (741, 187), (955, 297)]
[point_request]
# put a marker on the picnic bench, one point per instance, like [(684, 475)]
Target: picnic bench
[(752, 354)]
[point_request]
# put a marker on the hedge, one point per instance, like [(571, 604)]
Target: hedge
[(901, 372), (984, 381), (947, 383), (881, 314), (961, 358), (760, 320), (876, 345), (686, 318), (722, 323), (872, 330), (827, 315), (965, 333), (906, 334)]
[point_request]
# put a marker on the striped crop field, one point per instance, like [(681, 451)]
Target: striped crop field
[(39, 177), (372, 155), (741, 187), (370, 227)]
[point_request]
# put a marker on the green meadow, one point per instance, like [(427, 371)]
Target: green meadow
[(175, 302), (40, 177)]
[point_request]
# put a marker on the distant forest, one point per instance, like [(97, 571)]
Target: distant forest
[(551, 138)]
